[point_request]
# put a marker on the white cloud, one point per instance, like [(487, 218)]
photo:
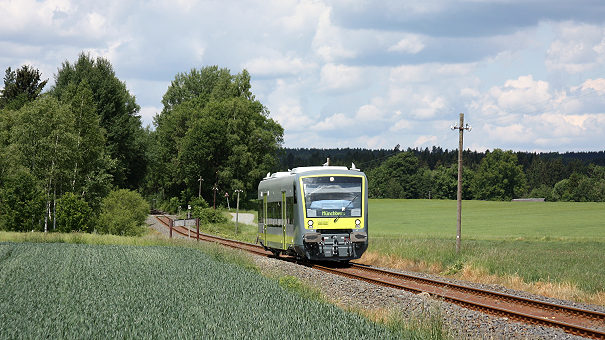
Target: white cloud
[(340, 77), (147, 113), (277, 66), (411, 43), (425, 141), (578, 48), (335, 122), (369, 113), (429, 72), (306, 14), (402, 124), (328, 42), (286, 108), (597, 85), (523, 94)]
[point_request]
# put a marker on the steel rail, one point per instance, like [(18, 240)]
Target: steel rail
[(594, 315), (441, 289)]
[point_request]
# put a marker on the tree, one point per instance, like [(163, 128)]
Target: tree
[(580, 188), (43, 141), (123, 213), (212, 126), (90, 177), (22, 202), (397, 177), (61, 146), (73, 214), (117, 111), (20, 87), (499, 177), (445, 181)]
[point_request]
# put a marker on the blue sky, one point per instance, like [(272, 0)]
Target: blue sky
[(529, 74)]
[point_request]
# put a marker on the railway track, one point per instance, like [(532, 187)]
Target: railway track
[(586, 323)]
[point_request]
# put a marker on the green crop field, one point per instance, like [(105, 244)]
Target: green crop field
[(57, 290), (558, 242)]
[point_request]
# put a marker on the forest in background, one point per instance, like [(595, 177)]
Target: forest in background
[(490, 175)]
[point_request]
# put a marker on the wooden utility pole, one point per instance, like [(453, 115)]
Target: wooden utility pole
[(461, 129)]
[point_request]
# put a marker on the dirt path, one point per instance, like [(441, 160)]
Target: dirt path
[(244, 218)]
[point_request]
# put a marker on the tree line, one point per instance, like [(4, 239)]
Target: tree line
[(76, 157), (490, 175)]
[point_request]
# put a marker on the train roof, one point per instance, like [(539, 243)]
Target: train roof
[(301, 170)]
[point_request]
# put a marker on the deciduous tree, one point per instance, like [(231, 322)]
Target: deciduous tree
[(117, 111), (499, 177)]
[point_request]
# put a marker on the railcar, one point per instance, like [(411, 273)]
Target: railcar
[(317, 213)]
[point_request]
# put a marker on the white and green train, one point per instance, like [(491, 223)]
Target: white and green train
[(317, 213)]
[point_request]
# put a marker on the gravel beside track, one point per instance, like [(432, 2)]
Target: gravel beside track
[(461, 323)]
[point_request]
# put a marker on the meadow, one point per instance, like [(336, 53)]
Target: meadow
[(552, 248), (82, 286)]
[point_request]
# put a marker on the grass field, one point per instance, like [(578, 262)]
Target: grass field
[(489, 220), (59, 290), (558, 247)]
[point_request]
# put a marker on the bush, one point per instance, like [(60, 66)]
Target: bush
[(172, 206), (209, 215), (543, 191), (73, 214), (123, 212), (198, 202), (21, 203)]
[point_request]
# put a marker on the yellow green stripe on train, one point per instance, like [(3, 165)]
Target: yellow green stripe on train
[(317, 213)]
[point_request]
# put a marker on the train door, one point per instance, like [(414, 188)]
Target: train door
[(283, 219)]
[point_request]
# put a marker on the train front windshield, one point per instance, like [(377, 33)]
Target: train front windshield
[(333, 196)]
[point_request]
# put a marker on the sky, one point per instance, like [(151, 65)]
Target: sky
[(529, 75)]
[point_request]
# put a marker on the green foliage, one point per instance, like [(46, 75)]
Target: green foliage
[(397, 177), (543, 191), (60, 145), (499, 177), (21, 202), (143, 292), (73, 214), (580, 188), (172, 205), (209, 215), (116, 110), (123, 212), (20, 87), (212, 126), (198, 202), (445, 182)]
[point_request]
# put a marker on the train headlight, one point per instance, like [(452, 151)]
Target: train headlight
[(310, 223), (357, 223)]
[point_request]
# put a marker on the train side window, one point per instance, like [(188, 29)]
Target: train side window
[(290, 210), (260, 211)]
